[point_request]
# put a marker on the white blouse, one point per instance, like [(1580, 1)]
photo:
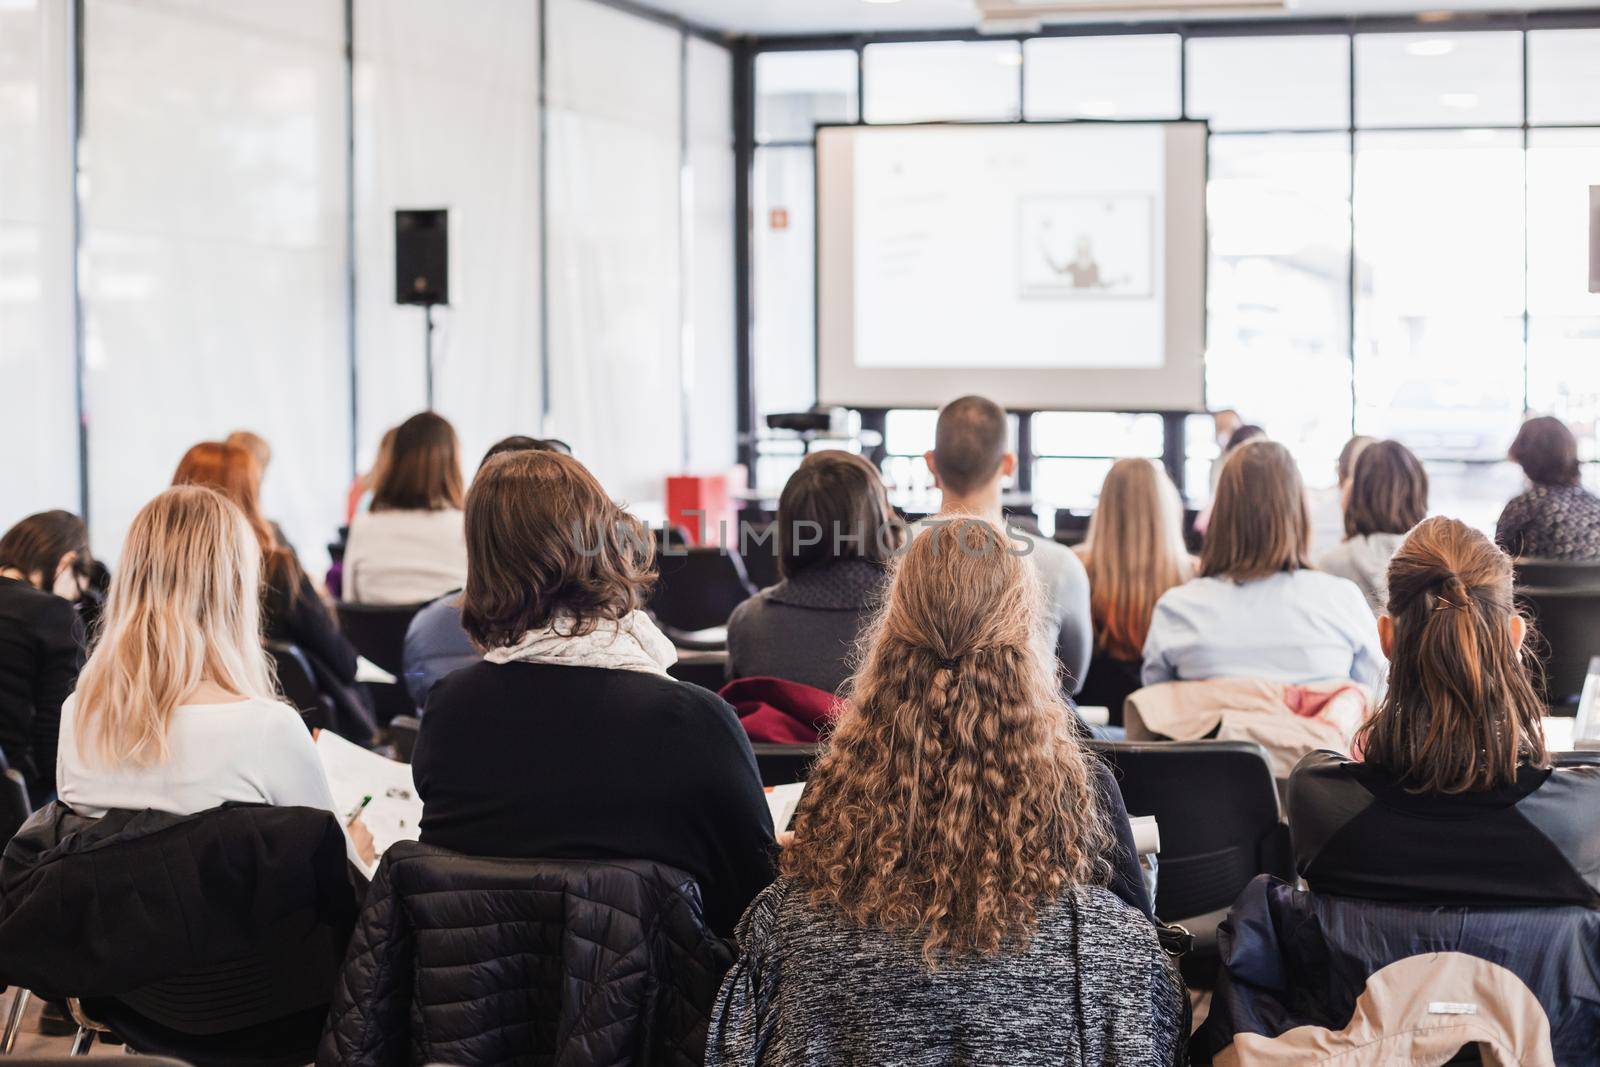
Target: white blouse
[(250, 751), (1294, 628), (404, 557)]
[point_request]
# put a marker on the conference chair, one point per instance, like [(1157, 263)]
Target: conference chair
[(1071, 526), (1566, 623), (698, 588), (784, 764), (378, 632), (1558, 573), (64, 1061), (707, 668), (403, 734), (1221, 825), (298, 683), (15, 804)]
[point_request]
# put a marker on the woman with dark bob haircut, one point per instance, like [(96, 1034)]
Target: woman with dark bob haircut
[(569, 740), (1384, 497), (1556, 518), (836, 534)]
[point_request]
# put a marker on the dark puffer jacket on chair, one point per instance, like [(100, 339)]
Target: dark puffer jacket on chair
[(480, 962)]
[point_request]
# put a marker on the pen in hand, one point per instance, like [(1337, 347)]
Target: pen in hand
[(355, 813)]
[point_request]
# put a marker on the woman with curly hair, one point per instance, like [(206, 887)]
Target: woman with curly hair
[(951, 895)]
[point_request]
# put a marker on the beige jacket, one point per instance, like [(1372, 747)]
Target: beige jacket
[(1289, 721)]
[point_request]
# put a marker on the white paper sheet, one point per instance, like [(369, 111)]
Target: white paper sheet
[(395, 813), (783, 800)]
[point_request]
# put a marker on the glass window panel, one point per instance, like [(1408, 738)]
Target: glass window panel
[(709, 376), (909, 432), (1096, 433), (1278, 291), (1475, 493), (1564, 76), (942, 81), (214, 251), (782, 241), (1270, 83), (1564, 317), (1068, 483), (1439, 352), (1110, 77), (1438, 79), (797, 90), (38, 433)]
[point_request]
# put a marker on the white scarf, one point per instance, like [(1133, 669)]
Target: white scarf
[(633, 644)]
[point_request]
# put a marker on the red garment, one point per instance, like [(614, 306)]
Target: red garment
[(1308, 702), (781, 712)]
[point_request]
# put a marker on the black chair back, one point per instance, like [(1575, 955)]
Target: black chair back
[(1071, 526), (1567, 625), (378, 632), (698, 588), (15, 804), (298, 683), (66, 1061), (784, 764), (403, 731), (1217, 807), (1558, 573)]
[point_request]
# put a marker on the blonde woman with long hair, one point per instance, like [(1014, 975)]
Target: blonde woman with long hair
[(952, 891), (176, 710), (1134, 553)]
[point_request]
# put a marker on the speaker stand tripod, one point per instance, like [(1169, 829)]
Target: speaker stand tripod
[(427, 349)]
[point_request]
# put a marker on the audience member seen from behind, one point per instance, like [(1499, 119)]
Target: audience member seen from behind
[(1241, 435), (945, 899), (175, 710), (436, 644), (1557, 518), (970, 463), (291, 610), (1454, 800), (1133, 554), (43, 560), (258, 448), (1385, 496), (836, 534), (1258, 610), (409, 547), (570, 741)]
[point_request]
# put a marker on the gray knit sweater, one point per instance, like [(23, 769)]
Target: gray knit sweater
[(1093, 989)]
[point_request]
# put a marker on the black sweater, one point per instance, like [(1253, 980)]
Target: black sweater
[(301, 618), (550, 762), (1359, 833), (41, 652)]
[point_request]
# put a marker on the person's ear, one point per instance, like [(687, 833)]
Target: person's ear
[(1386, 636), (1519, 630), (933, 469), (1008, 464)]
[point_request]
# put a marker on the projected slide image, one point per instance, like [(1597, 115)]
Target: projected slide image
[(1086, 246)]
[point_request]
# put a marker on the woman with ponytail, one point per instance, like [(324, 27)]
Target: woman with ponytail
[(1454, 799), (951, 895)]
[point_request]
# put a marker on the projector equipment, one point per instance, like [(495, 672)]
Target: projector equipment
[(1594, 238), (826, 421), (422, 270)]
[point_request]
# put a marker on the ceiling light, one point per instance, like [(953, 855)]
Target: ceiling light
[(1431, 46), (1459, 101)]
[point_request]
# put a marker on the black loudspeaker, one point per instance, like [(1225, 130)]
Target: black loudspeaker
[(422, 256)]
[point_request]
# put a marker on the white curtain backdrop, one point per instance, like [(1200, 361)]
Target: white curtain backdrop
[(213, 175), (709, 339), (447, 115), (38, 434), (614, 98)]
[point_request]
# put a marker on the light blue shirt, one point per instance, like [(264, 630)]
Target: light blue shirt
[(1293, 628)]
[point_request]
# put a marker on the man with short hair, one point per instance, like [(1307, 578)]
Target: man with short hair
[(969, 462)]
